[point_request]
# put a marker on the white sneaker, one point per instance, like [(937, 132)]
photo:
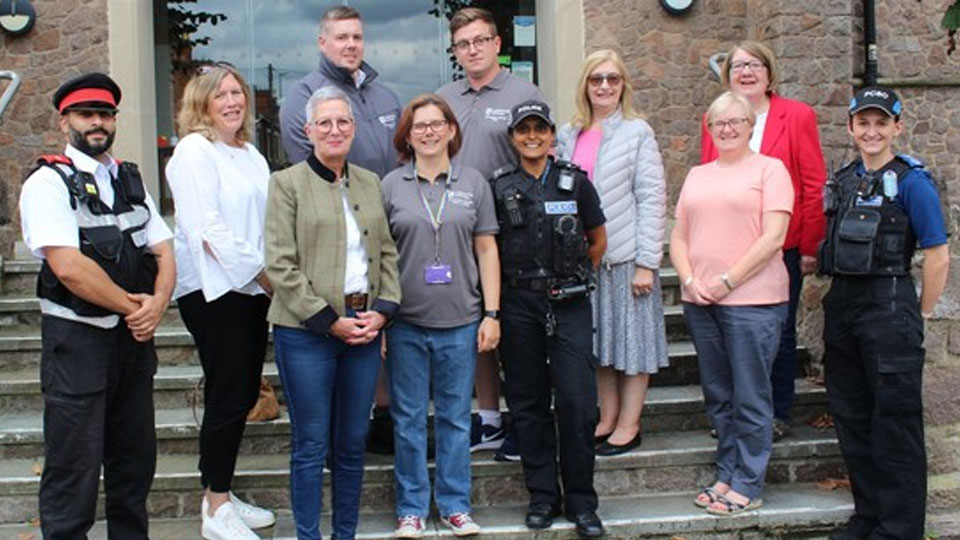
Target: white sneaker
[(224, 525), (252, 516)]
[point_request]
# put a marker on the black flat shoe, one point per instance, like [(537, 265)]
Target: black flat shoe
[(608, 449), (600, 439), (588, 524), (540, 516)]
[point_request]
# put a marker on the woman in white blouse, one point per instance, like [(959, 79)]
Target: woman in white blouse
[(219, 184)]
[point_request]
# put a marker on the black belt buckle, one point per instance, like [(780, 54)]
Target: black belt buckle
[(356, 302)]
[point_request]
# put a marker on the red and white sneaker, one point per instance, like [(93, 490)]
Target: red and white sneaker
[(409, 527), (461, 524)]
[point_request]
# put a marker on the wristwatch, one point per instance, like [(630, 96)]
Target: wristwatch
[(492, 313)]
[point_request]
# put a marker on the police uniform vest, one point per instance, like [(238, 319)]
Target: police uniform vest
[(115, 238), (867, 233), (541, 236)]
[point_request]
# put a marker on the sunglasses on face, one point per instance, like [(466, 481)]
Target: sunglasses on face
[(613, 79)]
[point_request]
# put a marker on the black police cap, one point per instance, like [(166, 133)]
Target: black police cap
[(91, 90)]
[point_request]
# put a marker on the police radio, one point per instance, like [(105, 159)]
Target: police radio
[(831, 193)]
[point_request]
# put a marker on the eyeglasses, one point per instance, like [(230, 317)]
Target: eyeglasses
[(464, 45), (525, 127), (421, 127), (733, 123), (326, 125), (740, 65), (613, 79), (203, 69)]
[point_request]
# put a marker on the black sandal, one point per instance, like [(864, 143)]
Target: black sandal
[(731, 508)]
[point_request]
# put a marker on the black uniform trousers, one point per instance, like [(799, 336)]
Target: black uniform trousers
[(98, 410), (874, 356), (537, 367)]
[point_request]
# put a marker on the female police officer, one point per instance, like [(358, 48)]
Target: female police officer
[(551, 238), (880, 208)]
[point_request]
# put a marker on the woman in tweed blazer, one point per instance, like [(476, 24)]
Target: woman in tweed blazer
[(620, 154), (333, 267)]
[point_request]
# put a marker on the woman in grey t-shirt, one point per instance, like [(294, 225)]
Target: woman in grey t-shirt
[(443, 221)]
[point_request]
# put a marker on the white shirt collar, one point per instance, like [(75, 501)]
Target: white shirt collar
[(88, 164)]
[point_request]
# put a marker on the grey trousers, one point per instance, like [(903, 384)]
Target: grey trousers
[(735, 347)]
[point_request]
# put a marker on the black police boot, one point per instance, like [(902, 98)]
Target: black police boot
[(380, 437), (588, 524), (540, 516)]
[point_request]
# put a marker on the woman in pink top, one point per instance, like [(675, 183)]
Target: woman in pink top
[(731, 220)]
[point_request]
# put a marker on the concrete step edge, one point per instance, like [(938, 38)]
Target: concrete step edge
[(788, 507), (18, 476)]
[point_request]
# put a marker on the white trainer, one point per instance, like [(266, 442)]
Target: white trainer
[(252, 516), (225, 524)]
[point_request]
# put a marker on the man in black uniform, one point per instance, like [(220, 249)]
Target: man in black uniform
[(879, 209), (551, 238), (105, 282)]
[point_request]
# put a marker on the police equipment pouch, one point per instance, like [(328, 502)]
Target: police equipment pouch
[(106, 241), (511, 201), (855, 241)]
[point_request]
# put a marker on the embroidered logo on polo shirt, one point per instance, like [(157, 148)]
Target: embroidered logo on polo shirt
[(497, 115)]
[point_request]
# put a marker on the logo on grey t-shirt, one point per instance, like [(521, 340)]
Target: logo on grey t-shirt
[(460, 198), (497, 115)]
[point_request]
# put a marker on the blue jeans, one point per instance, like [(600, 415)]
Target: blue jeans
[(419, 358), (784, 372), (329, 388), (735, 350)]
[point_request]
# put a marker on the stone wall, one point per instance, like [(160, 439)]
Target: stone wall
[(69, 38)]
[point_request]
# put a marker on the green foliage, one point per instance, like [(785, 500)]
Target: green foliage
[(950, 23), (182, 26)]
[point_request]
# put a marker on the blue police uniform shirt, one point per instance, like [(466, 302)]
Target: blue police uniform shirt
[(918, 197)]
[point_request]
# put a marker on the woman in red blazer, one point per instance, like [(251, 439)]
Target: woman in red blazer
[(787, 130)]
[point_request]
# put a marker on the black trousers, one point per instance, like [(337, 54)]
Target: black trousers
[(98, 410), (231, 338), (562, 366), (873, 335)]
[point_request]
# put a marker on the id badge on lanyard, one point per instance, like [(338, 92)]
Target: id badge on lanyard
[(436, 272)]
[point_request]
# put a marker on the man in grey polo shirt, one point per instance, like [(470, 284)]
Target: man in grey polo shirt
[(482, 102), (375, 107)]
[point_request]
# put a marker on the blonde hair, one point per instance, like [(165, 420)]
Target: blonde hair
[(757, 50), (194, 116), (727, 99), (584, 115)]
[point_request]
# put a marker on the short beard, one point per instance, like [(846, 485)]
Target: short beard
[(79, 141)]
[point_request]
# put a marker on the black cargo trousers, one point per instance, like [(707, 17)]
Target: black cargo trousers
[(873, 334), (97, 389), (542, 369)]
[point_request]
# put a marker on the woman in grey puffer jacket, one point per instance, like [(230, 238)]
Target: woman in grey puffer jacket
[(620, 154)]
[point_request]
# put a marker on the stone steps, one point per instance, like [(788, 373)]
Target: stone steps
[(668, 408), (790, 512), (24, 311), (667, 462), (645, 494)]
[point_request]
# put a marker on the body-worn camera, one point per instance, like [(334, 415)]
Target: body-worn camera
[(511, 201)]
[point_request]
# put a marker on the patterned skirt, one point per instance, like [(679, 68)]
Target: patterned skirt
[(629, 331)]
